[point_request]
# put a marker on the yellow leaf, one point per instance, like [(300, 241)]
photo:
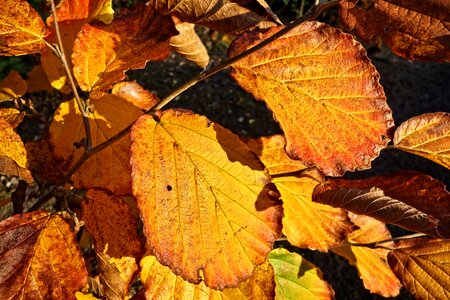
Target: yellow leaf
[(427, 135), (81, 296), (136, 94), (324, 92), (11, 145), (12, 116), (109, 168), (12, 87), (204, 198)]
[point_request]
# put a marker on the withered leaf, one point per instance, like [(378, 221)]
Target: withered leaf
[(12, 87), (12, 116)]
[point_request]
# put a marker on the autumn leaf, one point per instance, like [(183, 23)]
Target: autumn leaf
[(324, 92), (306, 224), (204, 198), (81, 296), (110, 221), (39, 257), (116, 274), (414, 29), (12, 116), (11, 145), (188, 44), (109, 168), (423, 267), (38, 81), (103, 53), (373, 202), (161, 283), (427, 135), (12, 87), (136, 94), (22, 30), (42, 163), (371, 263), (228, 16), (297, 278)]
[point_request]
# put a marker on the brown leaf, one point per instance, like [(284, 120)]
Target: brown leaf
[(12, 116), (22, 30), (12, 87), (371, 263), (188, 44), (136, 94), (228, 16), (11, 168), (161, 283), (373, 202), (42, 163), (39, 258), (204, 198), (423, 267), (116, 275), (427, 135), (110, 221), (38, 81), (103, 53), (324, 92), (414, 29)]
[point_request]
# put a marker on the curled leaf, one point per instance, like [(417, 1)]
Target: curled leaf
[(136, 94)]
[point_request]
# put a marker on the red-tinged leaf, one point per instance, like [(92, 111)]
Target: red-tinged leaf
[(427, 135), (136, 94), (39, 258), (423, 267), (373, 202), (371, 263), (116, 275), (297, 278), (161, 283), (103, 53), (22, 30), (204, 198), (228, 16), (188, 44), (109, 168), (324, 92), (38, 81), (110, 221), (414, 29), (12, 87), (306, 224), (12, 116)]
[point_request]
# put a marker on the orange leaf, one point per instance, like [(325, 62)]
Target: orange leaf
[(427, 135), (371, 263), (188, 44), (323, 91), (11, 145), (12, 87), (111, 222), (228, 16), (22, 30), (103, 53), (136, 94), (12, 116), (116, 275), (42, 163), (204, 198), (161, 283), (414, 29), (109, 168), (40, 258), (306, 224), (423, 266), (38, 81)]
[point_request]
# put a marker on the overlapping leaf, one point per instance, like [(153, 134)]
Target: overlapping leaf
[(324, 92), (136, 94), (204, 198), (427, 135), (22, 30), (109, 168), (12, 116), (42, 163), (371, 263), (39, 258), (38, 81), (414, 29), (11, 145), (110, 221), (12, 87), (102, 53), (228, 16), (161, 283), (423, 266), (297, 278), (306, 224)]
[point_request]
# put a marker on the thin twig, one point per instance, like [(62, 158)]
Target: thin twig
[(377, 244), (63, 58), (313, 13)]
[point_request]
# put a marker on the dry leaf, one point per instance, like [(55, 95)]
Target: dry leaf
[(11, 144), (12, 116), (324, 92), (41, 162), (204, 198), (136, 94), (12, 87), (38, 81)]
